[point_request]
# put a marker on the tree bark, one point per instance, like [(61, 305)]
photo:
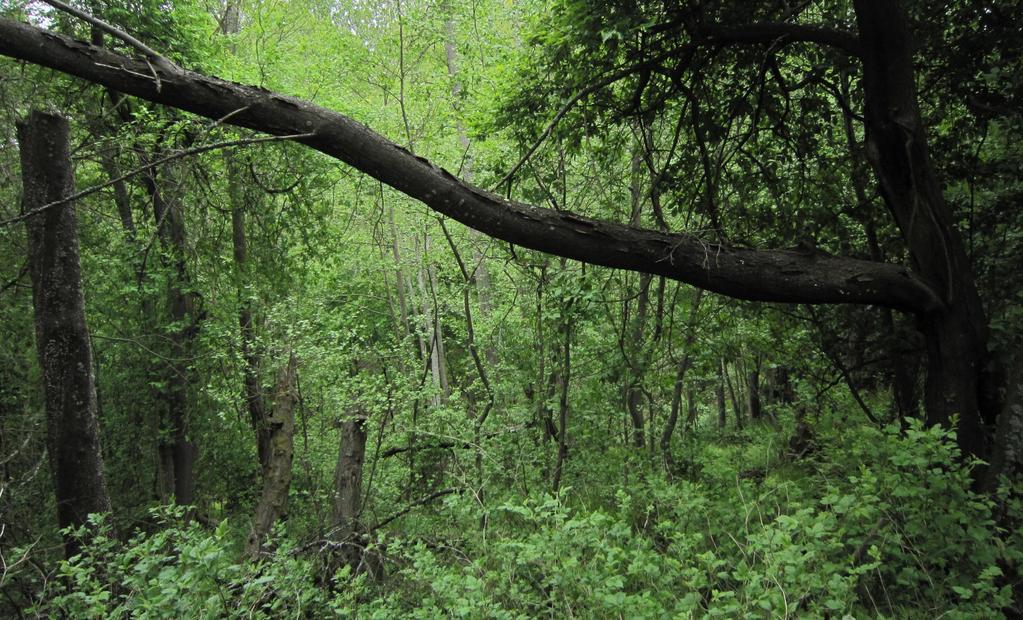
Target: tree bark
[(956, 331), (348, 530), (170, 221), (480, 273), (433, 337), (62, 336), (176, 449), (753, 389), (241, 198), (736, 407), (719, 394), (903, 368), (636, 365), (1007, 456), (348, 476), (273, 502), (692, 411)]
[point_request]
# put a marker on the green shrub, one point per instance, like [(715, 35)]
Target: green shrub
[(902, 536)]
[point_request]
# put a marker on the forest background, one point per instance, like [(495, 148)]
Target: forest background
[(315, 394)]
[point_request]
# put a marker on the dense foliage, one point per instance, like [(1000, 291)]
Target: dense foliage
[(480, 430), (851, 531)]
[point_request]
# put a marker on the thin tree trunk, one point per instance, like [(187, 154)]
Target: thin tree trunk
[(438, 335), (348, 473), (480, 273), (348, 530), (691, 409), (680, 374), (176, 449), (1007, 457), (719, 394), (481, 371), (753, 389), (108, 160), (634, 391), (62, 336), (564, 378), (434, 342), (634, 349), (399, 276), (171, 227), (732, 395), (273, 502), (252, 390)]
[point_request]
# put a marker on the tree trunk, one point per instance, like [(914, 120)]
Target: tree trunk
[(348, 477), (691, 409), (563, 383), (434, 341), (171, 228), (676, 405), (719, 394), (348, 489), (903, 369), (753, 389), (732, 395), (1007, 456), (956, 331), (273, 502), (480, 273), (252, 390), (176, 449), (680, 374), (241, 198), (634, 392), (62, 336)]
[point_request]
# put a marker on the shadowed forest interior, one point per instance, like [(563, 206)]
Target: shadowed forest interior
[(511, 309)]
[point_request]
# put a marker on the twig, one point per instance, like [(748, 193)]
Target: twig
[(571, 103), (419, 502), (17, 279)]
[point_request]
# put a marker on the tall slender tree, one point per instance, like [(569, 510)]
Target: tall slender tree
[(62, 336)]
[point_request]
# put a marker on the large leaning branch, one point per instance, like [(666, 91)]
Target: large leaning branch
[(784, 33), (794, 276)]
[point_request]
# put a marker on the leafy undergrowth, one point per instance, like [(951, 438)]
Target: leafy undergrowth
[(901, 536)]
